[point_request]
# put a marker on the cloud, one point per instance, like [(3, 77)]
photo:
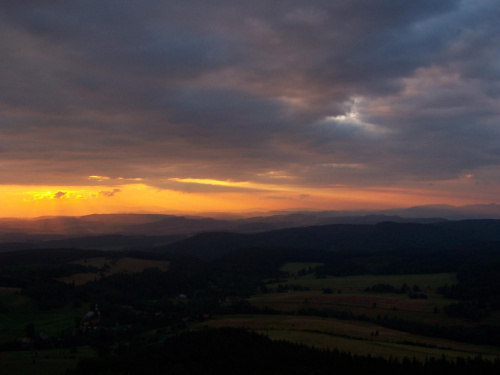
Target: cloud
[(287, 197), (98, 178), (60, 194), (49, 195), (109, 194), (354, 93), (189, 185)]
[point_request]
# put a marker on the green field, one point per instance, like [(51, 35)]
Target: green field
[(358, 283), (347, 295), (13, 324), (43, 362), (22, 311), (12, 298), (360, 338)]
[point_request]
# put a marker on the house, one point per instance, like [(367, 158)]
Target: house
[(91, 319)]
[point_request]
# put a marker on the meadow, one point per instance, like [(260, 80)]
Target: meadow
[(42, 362), (360, 282), (304, 296), (293, 302), (361, 338), (23, 310)]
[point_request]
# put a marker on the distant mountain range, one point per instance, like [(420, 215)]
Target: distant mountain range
[(445, 211), (47, 228), (162, 229)]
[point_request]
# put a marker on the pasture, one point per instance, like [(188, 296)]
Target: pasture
[(347, 294), (429, 311), (357, 283), (13, 323), (357, 337), (42, 362)]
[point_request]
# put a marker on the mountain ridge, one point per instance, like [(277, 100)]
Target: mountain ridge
[(385, 236)]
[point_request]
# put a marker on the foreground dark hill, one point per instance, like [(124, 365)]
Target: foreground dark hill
[(387, 236)]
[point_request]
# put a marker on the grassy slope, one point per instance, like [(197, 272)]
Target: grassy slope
[(23, 310), (42, 362), (352, 336), (360, 282), (356, 336), (349, 296)]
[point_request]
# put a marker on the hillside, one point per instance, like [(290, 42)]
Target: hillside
[(387, 236)]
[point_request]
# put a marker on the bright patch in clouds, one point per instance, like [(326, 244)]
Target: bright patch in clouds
[(194, 105), (60, 194), (236, 184), (98, 178), (276, 174), (353, 117)]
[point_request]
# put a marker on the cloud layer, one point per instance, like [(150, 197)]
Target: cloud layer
[(351, 93)]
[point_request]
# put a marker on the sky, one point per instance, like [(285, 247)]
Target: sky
[(163, 106)]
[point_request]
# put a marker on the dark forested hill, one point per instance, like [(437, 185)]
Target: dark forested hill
[(387, 236)]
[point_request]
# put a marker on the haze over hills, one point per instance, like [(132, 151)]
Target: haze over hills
[(476, 211), (142, 231), (51, 228), (445, 211)]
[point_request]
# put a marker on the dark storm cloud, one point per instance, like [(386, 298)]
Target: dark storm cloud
[(329, 93)]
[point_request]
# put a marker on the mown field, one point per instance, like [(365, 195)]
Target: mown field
[(361, 338), (357, 283), (348, 294)]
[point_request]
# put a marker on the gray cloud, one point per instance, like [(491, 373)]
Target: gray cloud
[(354, 93), (60, 194), (109, 194)]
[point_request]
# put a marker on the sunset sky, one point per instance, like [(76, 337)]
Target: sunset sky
[(165, 106)]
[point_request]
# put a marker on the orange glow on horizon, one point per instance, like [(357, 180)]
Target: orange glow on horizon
[(34, 201)]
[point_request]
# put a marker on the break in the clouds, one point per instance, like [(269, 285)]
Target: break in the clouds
[(351, 93)]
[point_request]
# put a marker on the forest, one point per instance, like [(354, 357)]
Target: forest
[(250, 309)]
